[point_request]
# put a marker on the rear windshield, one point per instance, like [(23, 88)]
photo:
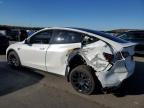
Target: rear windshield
[(113, 38)]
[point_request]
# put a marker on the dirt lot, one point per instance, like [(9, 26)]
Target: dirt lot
[(26, 88)]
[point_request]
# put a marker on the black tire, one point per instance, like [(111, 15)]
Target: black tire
[(83, 79), (13, 59)]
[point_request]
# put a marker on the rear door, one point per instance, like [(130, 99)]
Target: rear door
[(33, 53), (62, 44)]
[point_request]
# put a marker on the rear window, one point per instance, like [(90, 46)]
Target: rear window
[(63, 37)]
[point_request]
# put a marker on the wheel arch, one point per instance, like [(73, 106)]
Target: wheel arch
[(10, 50), (81, 61), (72, 63)]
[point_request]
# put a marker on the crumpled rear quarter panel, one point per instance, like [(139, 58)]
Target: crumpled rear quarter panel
[(110, 75), (93, 54)]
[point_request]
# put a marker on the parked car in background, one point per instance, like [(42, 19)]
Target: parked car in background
[(137, 37), (13, 34), (89, 59), (4, 43)]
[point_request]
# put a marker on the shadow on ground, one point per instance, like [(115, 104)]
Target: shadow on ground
[(133, 85), (12, 80)]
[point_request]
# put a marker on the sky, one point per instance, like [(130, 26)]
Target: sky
[(94, 14)]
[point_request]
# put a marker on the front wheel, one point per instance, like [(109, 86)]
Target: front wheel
[(13, 59), (83, 80)]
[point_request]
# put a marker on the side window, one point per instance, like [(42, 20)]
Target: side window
[(89, 39), (62, 37), (41, 38)]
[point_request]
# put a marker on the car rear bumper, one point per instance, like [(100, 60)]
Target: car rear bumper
[(120, 71)]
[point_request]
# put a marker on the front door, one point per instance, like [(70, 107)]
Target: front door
[(33, 53)]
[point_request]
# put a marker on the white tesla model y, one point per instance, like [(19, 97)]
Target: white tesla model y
[(88, 58)]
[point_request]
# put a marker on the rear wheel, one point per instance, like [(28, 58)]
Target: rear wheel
[(83, 80), (13, 59)]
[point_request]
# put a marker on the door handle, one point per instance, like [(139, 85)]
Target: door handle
[(42, 48)]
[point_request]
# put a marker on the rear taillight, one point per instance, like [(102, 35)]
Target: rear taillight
[(108, 57)]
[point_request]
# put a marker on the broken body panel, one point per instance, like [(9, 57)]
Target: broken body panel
[(110, 74)]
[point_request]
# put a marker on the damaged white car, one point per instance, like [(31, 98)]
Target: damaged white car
[(88, 58)]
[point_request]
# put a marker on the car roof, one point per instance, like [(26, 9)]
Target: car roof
[(95, 33)]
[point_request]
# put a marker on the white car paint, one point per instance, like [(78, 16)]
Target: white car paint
[(54, 57), (57, 55), (33, 55), (93, 54)]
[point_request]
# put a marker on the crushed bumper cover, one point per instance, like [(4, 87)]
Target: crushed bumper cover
[(115, 74)]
